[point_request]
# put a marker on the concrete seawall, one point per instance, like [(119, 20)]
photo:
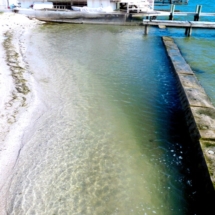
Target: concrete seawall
[(199, 114)]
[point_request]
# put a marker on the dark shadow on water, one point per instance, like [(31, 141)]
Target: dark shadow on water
[(199, 192), (198, 71), (194, 182)]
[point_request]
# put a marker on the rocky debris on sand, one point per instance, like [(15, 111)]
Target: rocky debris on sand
[(13, 84)]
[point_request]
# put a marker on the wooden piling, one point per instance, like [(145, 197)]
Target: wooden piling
[(146, 30), (197, 6), (127, 7), (198, 11), (172, 10), (117, 6), (188, 31), (188, 25)]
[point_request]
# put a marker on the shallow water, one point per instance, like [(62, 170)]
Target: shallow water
[(199, 53), (112, 139)]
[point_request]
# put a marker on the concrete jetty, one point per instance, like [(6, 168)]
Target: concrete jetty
[(199, 112)]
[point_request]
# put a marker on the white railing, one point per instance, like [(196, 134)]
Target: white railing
[(139, 5)]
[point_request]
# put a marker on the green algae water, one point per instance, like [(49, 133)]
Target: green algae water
[(111, 138), (200, 56)]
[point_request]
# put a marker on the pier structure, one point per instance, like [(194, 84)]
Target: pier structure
[(172, 13), (166, 2), (187, 25)]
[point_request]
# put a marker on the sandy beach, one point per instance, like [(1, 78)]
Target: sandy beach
[(19, 100)]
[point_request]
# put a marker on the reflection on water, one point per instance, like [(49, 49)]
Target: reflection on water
[(109, 141)]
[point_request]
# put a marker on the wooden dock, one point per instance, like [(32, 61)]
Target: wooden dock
[(187, 25), (167, 14), (172, 13), (167, 2)]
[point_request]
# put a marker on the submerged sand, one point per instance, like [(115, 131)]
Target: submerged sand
[(18, 98)]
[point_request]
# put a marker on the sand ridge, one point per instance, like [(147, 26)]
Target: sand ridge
[(18, 100)]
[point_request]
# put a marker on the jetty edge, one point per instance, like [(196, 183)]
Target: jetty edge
[(199, 115), (187, 25)]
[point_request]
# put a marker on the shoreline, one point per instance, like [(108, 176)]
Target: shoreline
[(19, 100)]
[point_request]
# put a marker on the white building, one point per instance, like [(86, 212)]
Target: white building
[(138, 5), (3, 4)]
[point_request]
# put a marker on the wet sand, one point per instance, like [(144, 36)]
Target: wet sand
[(18, 98)]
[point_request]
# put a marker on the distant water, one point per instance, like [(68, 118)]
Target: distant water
[(112, 139), (207, 6)]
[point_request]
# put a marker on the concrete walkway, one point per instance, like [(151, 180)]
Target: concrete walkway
[(199, 111)]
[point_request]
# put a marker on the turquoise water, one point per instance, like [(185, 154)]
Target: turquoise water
[(200, 55), (207, 6), (112, 137), (198, 50)]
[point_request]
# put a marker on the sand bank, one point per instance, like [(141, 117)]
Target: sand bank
[(18, 98)]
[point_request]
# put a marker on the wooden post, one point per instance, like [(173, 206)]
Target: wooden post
[(117, 5), (146, 30), (127, 7), (188, 31), (172, 9), (197, 6), (198, 11)]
